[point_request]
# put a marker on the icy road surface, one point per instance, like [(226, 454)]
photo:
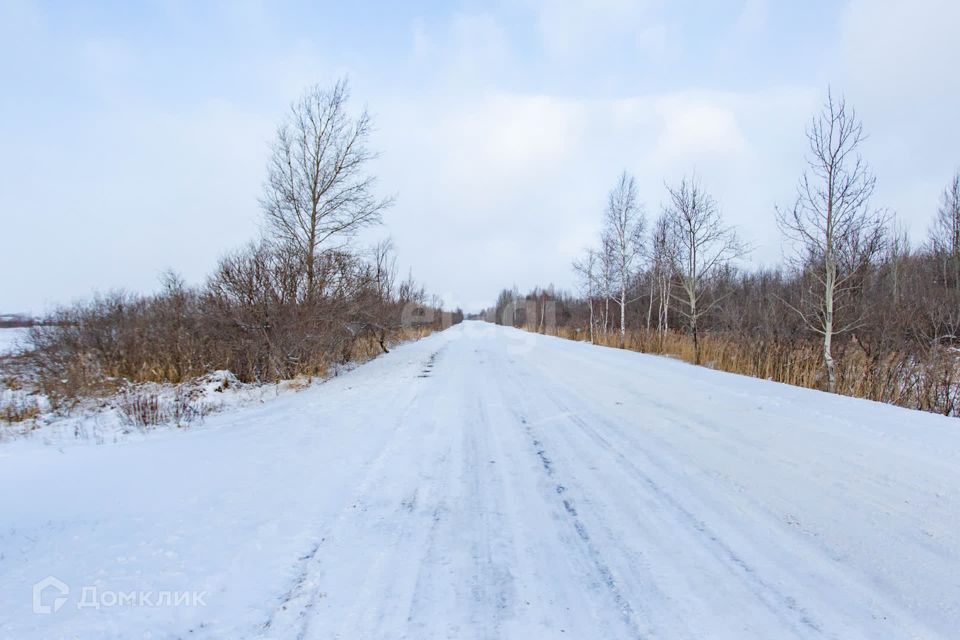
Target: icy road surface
[(490, 483)]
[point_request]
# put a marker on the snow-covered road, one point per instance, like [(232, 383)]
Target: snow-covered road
[(490, 483)]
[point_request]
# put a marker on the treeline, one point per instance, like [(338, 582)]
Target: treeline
[(16, 321), (295, 302), (856, 309)]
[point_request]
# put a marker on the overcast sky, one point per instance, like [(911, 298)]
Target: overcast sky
[(133, 136)]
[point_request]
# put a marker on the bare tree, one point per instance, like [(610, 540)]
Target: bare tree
[(704, 246), (381, 312), (318, 191), (606, 277), (835, 233), (945, 233), (663, 252), (898, 252), (902, 310), (586, 268), (623, 236)]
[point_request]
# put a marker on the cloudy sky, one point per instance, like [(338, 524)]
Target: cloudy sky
[(133, 136)]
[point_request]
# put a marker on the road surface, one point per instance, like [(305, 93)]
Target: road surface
[(490, 483)]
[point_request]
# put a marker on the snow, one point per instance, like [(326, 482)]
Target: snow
[(113, 418), (486, 482), (12, 339)]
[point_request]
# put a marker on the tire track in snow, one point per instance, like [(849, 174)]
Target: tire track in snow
[(492, 581), (292, 617), (776, 601), (602, 568), (562, 495), (807, 547), (387, 583), (477, 539)]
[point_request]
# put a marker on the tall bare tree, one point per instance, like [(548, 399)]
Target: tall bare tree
[(623, 236), (834, 231), (704, 247), (318, 192), (897, 253), (586, 269), (380, 311), (945, 233), (608, 278), (663, 252)]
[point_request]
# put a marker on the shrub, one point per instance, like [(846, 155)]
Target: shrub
[(144, 408), (253, 317)]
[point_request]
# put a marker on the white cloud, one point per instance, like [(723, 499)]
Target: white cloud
[(897, 65), (695, 128), (501, 169), (902, 50), (466, 49), (504, 187), (146, 190), (510, 138), (572, 26)]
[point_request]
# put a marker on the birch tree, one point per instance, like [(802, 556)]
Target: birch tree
[(606, 281), (318, 191), (623, 236), (586, 269), (835, 234), (704, 246), (663, 252)]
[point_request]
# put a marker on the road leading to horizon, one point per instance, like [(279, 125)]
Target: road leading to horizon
[(490, 483)]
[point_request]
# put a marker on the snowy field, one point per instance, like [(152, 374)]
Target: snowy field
[(12, 339), (490, 483)]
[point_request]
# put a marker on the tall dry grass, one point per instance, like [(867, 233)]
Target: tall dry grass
[(366, 348)]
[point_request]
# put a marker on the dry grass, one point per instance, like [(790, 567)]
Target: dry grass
[(17, 408), (146, 408), (66, 375), (300, 383), (366, 348)]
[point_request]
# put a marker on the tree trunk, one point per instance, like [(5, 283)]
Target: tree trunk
[(311, 271), (829, 363), (663, 321), (591, 322), (696, 344), (830, 282), (694, 330), (623, 316), (382, 339), (653, 282), (606, 315)]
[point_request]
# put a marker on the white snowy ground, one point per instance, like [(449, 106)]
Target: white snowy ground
[(485, 483), (12, 339)]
